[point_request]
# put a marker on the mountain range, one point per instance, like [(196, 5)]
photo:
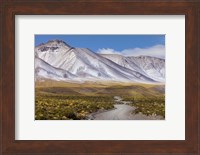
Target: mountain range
[(56, 60)]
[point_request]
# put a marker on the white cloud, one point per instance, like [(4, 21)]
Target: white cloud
[(155, 51), (107, 51)]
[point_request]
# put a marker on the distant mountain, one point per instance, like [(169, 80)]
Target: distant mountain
[(152, 67), (58, 60)]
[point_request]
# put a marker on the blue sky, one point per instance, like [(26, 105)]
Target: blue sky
[(118, 44)]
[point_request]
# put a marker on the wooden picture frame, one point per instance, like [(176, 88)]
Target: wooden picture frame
[(10, 8)]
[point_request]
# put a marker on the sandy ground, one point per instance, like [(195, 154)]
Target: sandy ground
[(122, 111)]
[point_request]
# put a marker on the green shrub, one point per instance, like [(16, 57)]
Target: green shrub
[(63, 107), (148, 105)]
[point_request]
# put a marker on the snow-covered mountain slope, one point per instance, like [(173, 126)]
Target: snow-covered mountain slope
[(53, 51), (83, 64), (123, 61), (152, 67), (44, 70)]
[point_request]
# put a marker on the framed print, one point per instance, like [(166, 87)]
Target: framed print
[(100, 77), (81, 81)]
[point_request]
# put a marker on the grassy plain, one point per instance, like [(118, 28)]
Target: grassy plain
[(61, 100)]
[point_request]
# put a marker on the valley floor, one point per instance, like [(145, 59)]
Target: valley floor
[(99, 101), (122, 111)]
